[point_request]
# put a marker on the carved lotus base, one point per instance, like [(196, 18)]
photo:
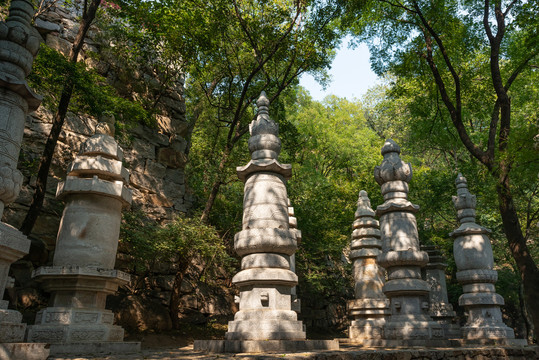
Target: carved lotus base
[(68, 325), (410, 328)]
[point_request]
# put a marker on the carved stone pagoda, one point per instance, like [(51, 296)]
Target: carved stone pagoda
[(370, 308), (475, 271), (410, 322), (82, 273), (265, 321)]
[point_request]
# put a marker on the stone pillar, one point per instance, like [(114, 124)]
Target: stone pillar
[(19, 43), (410, 322), (82, 274), (370, 307), (441, 310), (265, 320), (475, 262)]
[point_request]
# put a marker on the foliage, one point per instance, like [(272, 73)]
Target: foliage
[(332, 152), (254, 46), (92, 94), (181, 241)]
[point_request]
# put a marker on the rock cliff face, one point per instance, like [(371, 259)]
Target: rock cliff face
[(156, 158)]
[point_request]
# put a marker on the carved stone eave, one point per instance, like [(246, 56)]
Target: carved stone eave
[(469, 229), (21, 88), (95, 186), (396, 206), (270, 165)]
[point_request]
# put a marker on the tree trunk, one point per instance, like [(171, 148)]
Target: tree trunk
[(57, 123), (517, 243), (216, 185), (175, 298)]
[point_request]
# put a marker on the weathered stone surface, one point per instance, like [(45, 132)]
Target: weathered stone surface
[(407, 291), (19, 43), (475, 262), (265, 318), (440, 308), (171, 158), (370, 308), (82, 274)]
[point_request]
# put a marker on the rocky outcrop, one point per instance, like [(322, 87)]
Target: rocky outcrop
[(155, 156)]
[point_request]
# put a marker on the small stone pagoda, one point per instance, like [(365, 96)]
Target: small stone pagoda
[(370, 308), (19, 43), (82, 274), (265, 321), (410, 322), (441, 310), (475, 271)]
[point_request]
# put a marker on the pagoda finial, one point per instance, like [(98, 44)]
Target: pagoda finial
[(464, 202), (263, 105)]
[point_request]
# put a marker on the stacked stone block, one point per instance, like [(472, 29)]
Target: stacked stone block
[(370, 308), (410, 322)]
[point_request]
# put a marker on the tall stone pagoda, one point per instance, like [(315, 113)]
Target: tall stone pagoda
[(370, 308), (265, 320), (19, 43), (475, 271), (82, 274), (410, 322)]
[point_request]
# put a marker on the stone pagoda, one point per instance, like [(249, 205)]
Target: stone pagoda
[(370, 308), (265, 320), (441, 310), (82, 273), (475, 263), (19, 43), (410, 322)]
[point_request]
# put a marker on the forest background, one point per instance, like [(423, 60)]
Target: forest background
[(460, 94)]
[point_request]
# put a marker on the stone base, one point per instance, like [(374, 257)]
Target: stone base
[(366, 331), (70, 325), (402, 328), (383, 343), (488, 342), (271, 329), (24, 351), (75, 333), (473, 333), (11, 328), (265, 346), (95, 348)]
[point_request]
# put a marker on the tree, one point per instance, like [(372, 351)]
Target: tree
[(88, 16), (254, 46), (476, 58)]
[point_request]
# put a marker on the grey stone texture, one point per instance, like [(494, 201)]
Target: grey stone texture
[(266, 320), (370, 308), (441, 310), (157, 177), (401, 257), (82, 274), (266, 242), (475, 271), (19, 43)]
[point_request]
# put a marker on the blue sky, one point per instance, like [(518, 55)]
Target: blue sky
[(350, 72)]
